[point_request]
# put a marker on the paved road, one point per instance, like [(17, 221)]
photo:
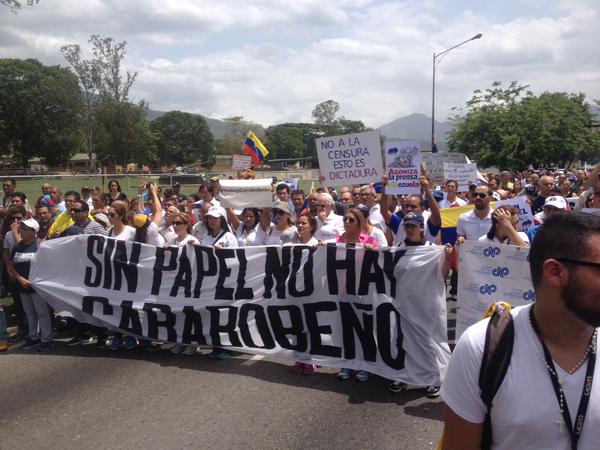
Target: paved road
[(85, 398)]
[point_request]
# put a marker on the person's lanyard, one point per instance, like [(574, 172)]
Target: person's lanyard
[(575, 433)]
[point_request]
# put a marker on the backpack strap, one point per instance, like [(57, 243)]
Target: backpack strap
[(499, 339)]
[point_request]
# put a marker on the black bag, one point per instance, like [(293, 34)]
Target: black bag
[(499, 339)]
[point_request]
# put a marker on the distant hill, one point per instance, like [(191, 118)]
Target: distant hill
[(417, 126)]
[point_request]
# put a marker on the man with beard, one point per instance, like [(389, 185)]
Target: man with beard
[(550, 395), (478, 222)]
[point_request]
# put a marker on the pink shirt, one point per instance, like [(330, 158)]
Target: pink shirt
[(362, 239)]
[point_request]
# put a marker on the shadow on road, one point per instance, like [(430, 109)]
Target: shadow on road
[(372, 391)]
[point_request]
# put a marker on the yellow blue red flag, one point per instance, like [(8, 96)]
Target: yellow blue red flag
[(253, 147)]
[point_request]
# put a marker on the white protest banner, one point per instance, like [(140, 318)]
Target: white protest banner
[(403, 167), (522, 204), (434, 163), (350, 159), (241, 162), (383, 311), (490, 273), (463, 174), (245, 193)]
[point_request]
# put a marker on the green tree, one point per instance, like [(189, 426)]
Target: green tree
[(39, 111), (182, 138), (325, 112), (285, 141), (123, 135), (511, 128), (231, 143)]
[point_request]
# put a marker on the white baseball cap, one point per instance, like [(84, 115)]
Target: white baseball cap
[(31, 223), (556, 201)]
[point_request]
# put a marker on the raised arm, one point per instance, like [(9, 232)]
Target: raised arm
[(156, 206), (385, 202), (232, 219), (436, 217)]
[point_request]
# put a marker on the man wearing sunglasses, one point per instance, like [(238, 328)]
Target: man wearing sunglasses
[(329, 224), (473, 224), (550, 395), (82, 223)]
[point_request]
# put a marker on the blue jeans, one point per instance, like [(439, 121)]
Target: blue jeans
[(3, 330)]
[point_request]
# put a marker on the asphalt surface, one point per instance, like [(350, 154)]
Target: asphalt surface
[(80, 397)]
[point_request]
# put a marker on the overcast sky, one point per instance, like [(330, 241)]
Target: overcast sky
[(272, 61)]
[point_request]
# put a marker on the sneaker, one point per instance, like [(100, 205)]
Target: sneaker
[(44, 346), (432, 391), (297, 367), (101, 344), (190, 350), (344, 374), (397, 386), (115, 344), (75, 341), (3, 346), (177, 349), (129, 343), (308, 369), (362, 376), (30, 343), (153, 347)]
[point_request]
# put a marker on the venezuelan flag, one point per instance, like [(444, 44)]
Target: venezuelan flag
[(253, 147), (450, 221)]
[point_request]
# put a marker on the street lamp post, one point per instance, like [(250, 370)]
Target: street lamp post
[(435, 64)]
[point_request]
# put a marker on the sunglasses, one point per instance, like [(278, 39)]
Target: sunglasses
[(17, 217), (356, 194), (278, 212), (480, 195), (579, 263), (179, 223), (349, 219), (76, 210)]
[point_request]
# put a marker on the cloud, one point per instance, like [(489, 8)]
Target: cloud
[(273, 60)]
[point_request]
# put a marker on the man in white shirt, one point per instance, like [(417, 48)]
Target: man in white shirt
[(548, 397), (329, 224), (476, 223), (369, 198), (451, 199)]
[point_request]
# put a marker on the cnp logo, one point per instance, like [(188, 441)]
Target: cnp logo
[(500, 272), (529, 296), (491, 252), (488, 289)]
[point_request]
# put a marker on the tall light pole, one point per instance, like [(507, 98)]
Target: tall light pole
[(435, 64)]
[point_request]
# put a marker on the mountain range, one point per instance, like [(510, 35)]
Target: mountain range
[(415, 126)]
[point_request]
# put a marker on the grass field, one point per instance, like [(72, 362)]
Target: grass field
[(32, 186)]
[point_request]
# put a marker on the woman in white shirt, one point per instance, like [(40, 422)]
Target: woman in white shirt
[(247, 228), (505, 221), (117, 216), (181, 225), (218, 234), (283, 231)]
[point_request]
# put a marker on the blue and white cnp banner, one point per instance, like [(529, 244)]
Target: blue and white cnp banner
[(490, 273), (383, 311)]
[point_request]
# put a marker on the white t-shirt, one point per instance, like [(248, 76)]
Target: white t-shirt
[(375, 217), (247, 238), (379, 236), (227, 240), (189, 238), (273, 236), (525, 411), (199, 230), (445, 203), (167, 233), (506, 241), (330, 230), (153, 237), (128, 234), (472, 227)]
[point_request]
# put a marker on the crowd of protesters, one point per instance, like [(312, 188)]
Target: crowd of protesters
[(353, 215)]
